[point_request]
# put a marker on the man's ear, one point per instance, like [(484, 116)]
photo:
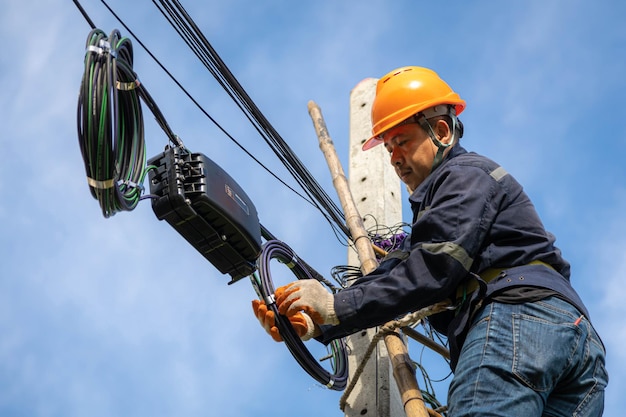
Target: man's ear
[(443, 132)]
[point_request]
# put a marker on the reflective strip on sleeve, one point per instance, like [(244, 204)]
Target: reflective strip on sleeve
[(455, 251), (498, 173)]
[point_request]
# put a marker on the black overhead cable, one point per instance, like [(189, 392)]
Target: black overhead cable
[(317, 196), (84, 13), (184, 25), (193, 100)]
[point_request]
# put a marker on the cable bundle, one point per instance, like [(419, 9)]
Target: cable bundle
[(184, 25), (110, 123), (275, 249)]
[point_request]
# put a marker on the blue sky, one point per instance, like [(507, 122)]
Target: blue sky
[(120, 316)]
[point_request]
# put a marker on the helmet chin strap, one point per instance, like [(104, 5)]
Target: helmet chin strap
[(441, 147)]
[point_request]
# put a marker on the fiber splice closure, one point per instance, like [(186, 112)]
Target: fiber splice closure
[(208, 208)]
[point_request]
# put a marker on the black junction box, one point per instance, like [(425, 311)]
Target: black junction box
[(208, 208)]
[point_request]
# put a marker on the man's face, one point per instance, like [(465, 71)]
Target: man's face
[(412, 153)]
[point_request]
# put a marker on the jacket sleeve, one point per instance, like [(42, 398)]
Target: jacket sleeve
[(448, 230)]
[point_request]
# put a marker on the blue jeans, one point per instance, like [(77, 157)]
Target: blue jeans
[(529, 360)]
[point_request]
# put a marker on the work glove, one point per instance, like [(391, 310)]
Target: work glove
[(310, 296), (301, 322)]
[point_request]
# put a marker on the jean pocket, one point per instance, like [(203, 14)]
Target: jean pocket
[(542, 350)]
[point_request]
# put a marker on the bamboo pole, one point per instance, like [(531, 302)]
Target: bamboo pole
[(354, 221), (404, 375), (403, 370), (418, 337)]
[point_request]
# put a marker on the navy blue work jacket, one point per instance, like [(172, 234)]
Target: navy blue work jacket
[(468, 215)]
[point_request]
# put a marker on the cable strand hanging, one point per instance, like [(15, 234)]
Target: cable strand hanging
[(309, 200), (184, 25)]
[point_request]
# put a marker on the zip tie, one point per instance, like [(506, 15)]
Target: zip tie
[(106, 47), (131, 184), (94, 48), (127, 86), (101, 184), (330, 383), (102, 48)]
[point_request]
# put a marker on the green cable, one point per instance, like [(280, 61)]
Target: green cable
[(110, 123)]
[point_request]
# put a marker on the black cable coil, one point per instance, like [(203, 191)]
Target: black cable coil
[(110, 123), (274, 249)]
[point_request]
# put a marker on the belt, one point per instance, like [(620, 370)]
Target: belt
[(488, 275)]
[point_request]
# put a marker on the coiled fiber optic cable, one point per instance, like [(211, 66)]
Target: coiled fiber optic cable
[(274, 249), (110, 123)]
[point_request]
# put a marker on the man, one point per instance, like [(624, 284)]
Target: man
[(520, 338)]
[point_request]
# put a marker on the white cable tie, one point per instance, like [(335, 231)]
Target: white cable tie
[(270, 299), (330, 383), (131, 184), (128, 183), (94, 48), (106, 47)]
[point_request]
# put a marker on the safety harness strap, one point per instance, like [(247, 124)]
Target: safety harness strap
[(487, 276)]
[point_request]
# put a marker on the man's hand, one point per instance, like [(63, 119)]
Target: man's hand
[(301, 322), (310, 296)]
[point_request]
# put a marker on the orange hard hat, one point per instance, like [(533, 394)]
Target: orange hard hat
[(405, 92)]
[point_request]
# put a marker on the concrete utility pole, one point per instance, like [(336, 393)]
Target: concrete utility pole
[(376, 190)]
